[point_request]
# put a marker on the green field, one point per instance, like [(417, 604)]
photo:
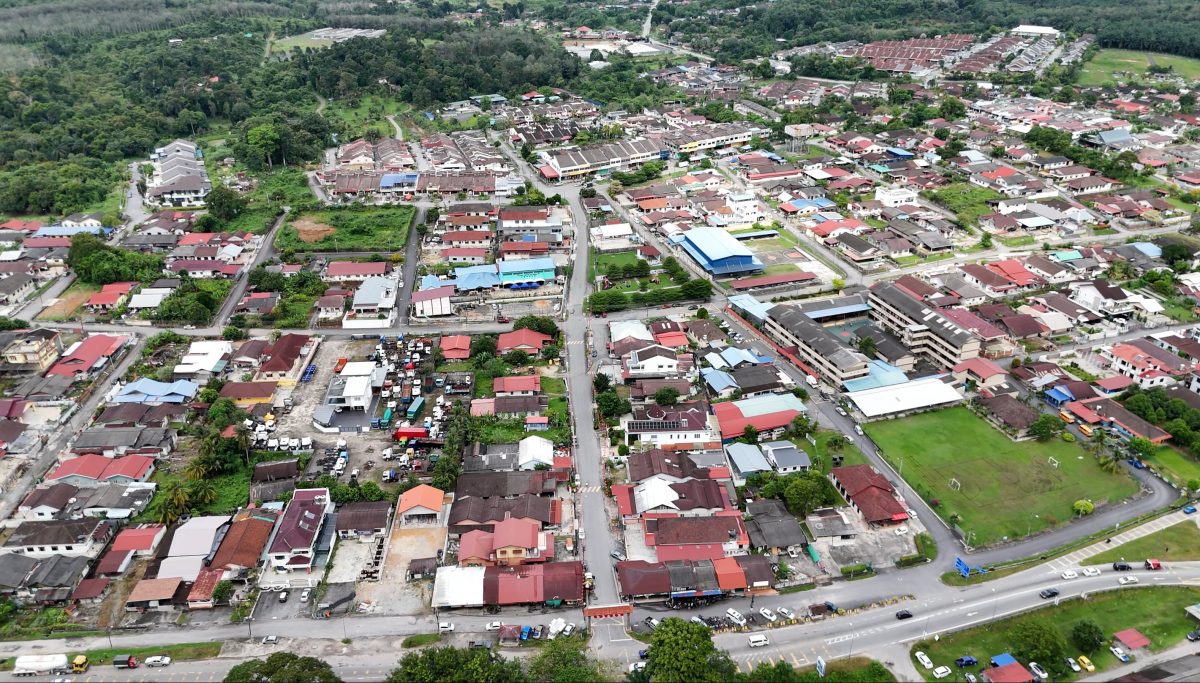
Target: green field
[(373, 229), (780, 269), (1109, 66), (967, 201), (365, 113), (1156, 612), (1174, 544), (1175, 464), (600, 262), (1008, 489), (299, 42)]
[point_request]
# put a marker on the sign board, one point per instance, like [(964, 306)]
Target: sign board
[(962, 567), (821, 667), (607, 611)]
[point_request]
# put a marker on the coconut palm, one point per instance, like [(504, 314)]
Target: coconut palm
[(198, 468), (202, 491), (242, 438)]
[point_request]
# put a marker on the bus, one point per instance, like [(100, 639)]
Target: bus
[(1085, 429), (1066, 417)]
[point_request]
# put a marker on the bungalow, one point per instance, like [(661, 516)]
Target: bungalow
[(524, 385), (84, 358), (69, 538), (249, 394), (526, 340), (455, 347), (92, 470), (110, 296), (366, 520), (421, 504), (870, 493), (258, 303), (331, 307), (354, 271)]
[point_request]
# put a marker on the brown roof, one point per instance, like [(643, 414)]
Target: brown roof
[(690, 530), (244, 541), (657, 461), (154, 589), (277, 469), (638, 577), (1011, 412), (871, 492), (364, 515), (504, 484), (485, 510), (283, 353), (57, 496), (237, 390)]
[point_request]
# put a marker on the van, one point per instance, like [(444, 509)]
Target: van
[(1085, 430), (736, 616), (125, 662), (759, 640)]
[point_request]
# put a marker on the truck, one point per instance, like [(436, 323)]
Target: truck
[(125, 662), (417, 406), (341, 363), (36, 665), (812, 380)]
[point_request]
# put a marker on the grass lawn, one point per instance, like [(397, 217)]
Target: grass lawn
[(1023, 241), (1176, 464), (1173, 544), (361, 114), (421, 639), (600, 262), (967, 201), (233, 491), (554, 386), (837, 669), (1178, 313), (456, 366), (182, 651), (1132, 65), (783, 242), (1101, 232), (850, 452), (1008, 489), (780, 269), (69, 302), (353, 229), (1156, 612), (304, 40)]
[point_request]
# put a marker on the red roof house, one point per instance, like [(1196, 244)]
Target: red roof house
[(455, 347), (870, 493), (526, 340), (87, 356)]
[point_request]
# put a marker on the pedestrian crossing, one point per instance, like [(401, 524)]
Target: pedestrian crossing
[(1075, 558), (590, 489), (575, 342), (798, 657)]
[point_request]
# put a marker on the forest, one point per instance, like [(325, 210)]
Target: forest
[(711, 26)]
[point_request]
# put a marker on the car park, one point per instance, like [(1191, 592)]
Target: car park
[(1127, 580), (1070, 574), (1039, 671), (965, 661), (1048, 593), (1119, 653), (158, 660), (941, 672), (924, 659)]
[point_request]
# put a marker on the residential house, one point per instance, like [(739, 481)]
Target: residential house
[(294, 545), (870, 493), (69, 538)]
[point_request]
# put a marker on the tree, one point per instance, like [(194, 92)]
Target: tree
[(866, 346), (282, 667), (667, 396), (601, 382), (1038, 641), (611, 405), (437, 664), (1141, 446), (683, 652), (224, 203), (701, 313), (1087, 636), (202, 491), (1046, 427), (551, 351), (803, 495), (483, 344), (801, 425), (537, 323), (1083, 506), (222, 591), (563, 661), (516, 357), (839, 284), (231, 333), (749, 435)]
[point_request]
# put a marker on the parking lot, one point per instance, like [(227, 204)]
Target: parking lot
[(269, 608), (877, 547)]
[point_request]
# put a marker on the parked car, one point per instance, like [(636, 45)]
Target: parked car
[(698, 621), (904, 614), (525, 631), (1085, 663), (1039, 671), (970, 677), (924, 660), (1070, 574), (965, 661), (652, 622), (538, 631), (158, 660), (1122, 566), (637, 666), (1189, 510), (283, 596), (1194, 635), (901, 530), (304, 594), (1049, 593), (941, 672), (768, 614), (568, 630), (616, 555), (1074, 665), (1126, 580), (1119, 653), (736, 616), (643, 654), (445, 627), (787, 613), (270, 640), (493, 626)]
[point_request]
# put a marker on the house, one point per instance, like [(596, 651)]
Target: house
[(154, 594), (768, 414), (513, 541), (433, 302), (455, 347), (785, 457), (526, 340), (148, 391), (523, 385), (69, 538), (375, 300), (113, 441), (984, 373), (33, 350), (16, 288), (87, 357), (746, 459), (92, 470), (1011, 413), (421, 504), (697, 538), (354, 271), (771, 527), (652, 361), (141, 540), (46, 502), (249, 394), (283, 361), (364, 520), (331, 307), (257, 303), (870, 493), (669, 426), (295, 542), (242, 546)]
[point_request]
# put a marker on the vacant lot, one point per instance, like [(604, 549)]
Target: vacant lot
[(302, 41), (70, 301), (1156, 612), (1175, 464), (1008, 489), (1109, 66), (967, 201), (354, 229), (1173, 544)]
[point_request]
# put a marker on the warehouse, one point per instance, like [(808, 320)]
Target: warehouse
[(718, 252)]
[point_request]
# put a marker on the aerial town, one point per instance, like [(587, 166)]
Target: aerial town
[(626, 359)]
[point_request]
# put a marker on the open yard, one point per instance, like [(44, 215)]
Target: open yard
[(991, 487), (68, 304), (354, 229), (300, 42), (1175, 464), (600, 262), (967, 201), (1109, 66), (1173, 544), (361, 114), (1156, 612)]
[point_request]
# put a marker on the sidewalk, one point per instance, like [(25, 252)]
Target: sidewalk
[(1075, 558)]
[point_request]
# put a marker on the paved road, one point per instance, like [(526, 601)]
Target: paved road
[(265, 252)]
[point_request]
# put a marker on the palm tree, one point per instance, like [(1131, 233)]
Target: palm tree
[(202, 491), (1098, 441), (242, 438), (175, 495), (198, 468)]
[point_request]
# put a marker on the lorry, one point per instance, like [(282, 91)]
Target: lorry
[(36, 665), (125, 662), (812, 380)]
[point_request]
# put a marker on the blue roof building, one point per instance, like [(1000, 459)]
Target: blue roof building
[(880, 374), (151, 391), (750, 307), (65, 231), (718, 252), (470, 278), (526, 273), (718, 381)]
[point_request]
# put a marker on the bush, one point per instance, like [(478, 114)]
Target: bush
[(860, 569)]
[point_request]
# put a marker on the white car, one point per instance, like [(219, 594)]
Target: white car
[(841, 411), (1074, 665), (493, 626), (304, 594), (1070, 574), (158, 660), (924, 660), (1126, 580), (736, 616), (637, 666), (1039, 671), (901, 530), (1091, 571), (941, 672), (270, 640), (767, 614), (787, 613), (445, 627)]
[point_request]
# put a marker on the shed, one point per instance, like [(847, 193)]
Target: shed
[(1132, 639)]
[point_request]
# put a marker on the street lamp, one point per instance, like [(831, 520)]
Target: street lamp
[(248, 628)]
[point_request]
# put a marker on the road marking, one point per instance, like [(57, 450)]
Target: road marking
[(971, 614)]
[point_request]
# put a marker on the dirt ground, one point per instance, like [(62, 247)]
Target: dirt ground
[(66, 305), (392, 594), (309, 230)]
